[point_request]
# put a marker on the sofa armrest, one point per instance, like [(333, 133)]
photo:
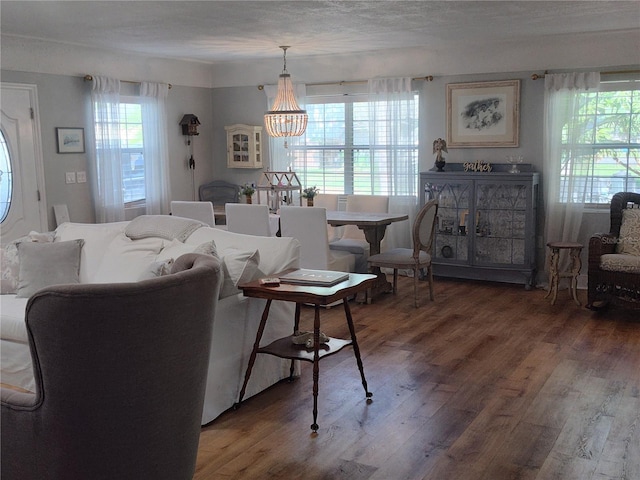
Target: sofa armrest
[(600, 244)]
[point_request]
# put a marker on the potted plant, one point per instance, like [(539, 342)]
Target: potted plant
[(247, 190), (309, 193)]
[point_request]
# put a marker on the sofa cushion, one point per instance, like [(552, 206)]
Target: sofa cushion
[(239, 266), (12, 325), (97, 237), (163, 226), (617, 262), (125, 260), (176, 248), (45, 264), (629, 240), (10, 262)]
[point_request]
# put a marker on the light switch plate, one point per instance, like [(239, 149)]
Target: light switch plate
[(70, 177), (81, 177)]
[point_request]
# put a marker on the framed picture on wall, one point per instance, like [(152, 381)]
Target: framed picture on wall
[(483, 114), (70, 140)]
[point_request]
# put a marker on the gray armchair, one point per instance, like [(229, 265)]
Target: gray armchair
[(120, 379)]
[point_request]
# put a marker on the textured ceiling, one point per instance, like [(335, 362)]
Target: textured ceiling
[(218, 31)]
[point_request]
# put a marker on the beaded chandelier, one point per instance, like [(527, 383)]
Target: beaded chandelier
[(286, 118)]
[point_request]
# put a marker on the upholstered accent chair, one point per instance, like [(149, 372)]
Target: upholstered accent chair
[(219, 192), (614, 257), (416, 258), (120, 371)]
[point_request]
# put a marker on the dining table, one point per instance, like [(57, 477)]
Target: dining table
[(374, 226)]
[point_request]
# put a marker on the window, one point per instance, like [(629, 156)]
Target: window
[(604, 157), (6, 179), (129, 127), (350, 149)]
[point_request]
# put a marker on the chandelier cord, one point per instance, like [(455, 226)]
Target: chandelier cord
[(284, 57)]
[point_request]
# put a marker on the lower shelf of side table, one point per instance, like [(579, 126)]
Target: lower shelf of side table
[(285, 348)]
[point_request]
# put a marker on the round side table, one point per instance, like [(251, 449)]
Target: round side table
[(554, 275)]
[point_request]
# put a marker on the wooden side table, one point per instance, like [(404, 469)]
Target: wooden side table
[(555, 275), (285, 348)]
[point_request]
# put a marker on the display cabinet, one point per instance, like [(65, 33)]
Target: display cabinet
[(244, 146), (486, 225)]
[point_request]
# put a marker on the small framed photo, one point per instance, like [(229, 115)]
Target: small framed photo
[(70, 140), (483, 114)]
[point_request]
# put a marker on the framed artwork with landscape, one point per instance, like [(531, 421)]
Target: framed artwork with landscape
[(70, 140), (483, 114)]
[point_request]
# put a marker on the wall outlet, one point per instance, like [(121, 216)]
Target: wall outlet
[(81, 177), (70, 177)]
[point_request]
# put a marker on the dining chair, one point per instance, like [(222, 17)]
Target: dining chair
[(250, 219), (329, 201), (309, 226), (416, 258), (201, 211), (352, 239)]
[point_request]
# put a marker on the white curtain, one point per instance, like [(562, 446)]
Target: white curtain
[(390, 105), (563, 183), (156, 152), (108, 192), (279, 153)]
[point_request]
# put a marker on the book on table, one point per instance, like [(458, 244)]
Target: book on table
[(321, 278)]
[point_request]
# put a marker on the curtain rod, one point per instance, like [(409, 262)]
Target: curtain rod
[(428, 78), (89, 78), (536, 76)]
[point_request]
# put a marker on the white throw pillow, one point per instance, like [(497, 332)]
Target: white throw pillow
[(10, 262), (157, 269), (238, 267), (125, 260), (629, 241), (45, 264)]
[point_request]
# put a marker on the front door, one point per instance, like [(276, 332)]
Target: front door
[(22, 177)]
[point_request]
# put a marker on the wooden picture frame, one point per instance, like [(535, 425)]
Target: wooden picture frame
[(70, 140), (483, 114)]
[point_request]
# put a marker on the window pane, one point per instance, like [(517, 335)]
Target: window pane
[(336, 155), (6, 179), (129, 134), (603, 158)]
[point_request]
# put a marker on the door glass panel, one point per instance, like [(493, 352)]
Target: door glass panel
[(6, 178)]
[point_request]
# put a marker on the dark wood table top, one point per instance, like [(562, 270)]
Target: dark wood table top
[(338, 218), (311, 294)]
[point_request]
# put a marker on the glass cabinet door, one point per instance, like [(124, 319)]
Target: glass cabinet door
[(453, 221), (500, 223)]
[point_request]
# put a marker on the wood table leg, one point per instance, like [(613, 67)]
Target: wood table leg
[(374, 236), (256, 345), (316, 366), (356, 349), (296, 326), (576, 265)]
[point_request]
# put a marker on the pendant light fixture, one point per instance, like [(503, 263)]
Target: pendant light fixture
[(286, 118)]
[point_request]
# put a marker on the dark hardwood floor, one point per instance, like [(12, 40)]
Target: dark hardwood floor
[(489, 382)]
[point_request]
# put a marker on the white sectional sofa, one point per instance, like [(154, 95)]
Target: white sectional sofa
[(110, 254)]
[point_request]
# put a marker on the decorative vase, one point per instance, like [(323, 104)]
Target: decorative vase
[(248, 198), (309, 202), (440, 165)]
